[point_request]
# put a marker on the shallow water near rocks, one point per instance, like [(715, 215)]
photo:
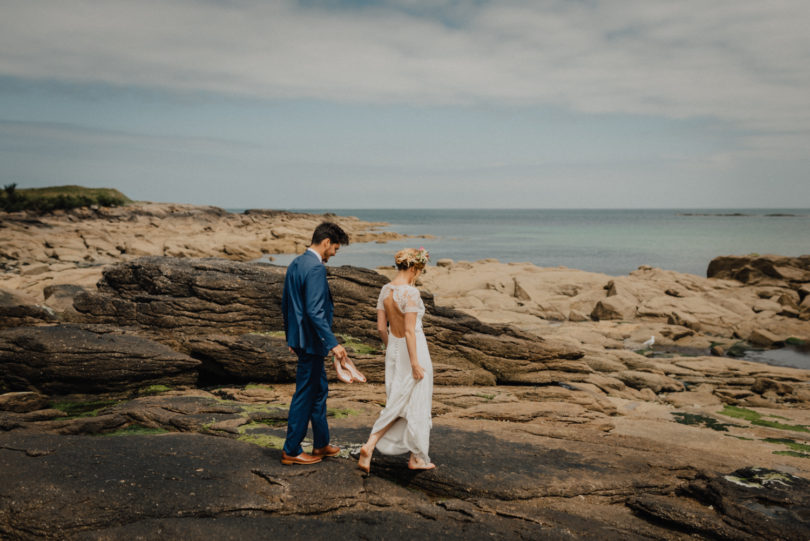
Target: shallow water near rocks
[(791, 356)]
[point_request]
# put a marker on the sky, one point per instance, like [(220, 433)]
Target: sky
[(411, 103)]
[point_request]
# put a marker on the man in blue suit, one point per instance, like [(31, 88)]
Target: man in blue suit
[(306, 305)]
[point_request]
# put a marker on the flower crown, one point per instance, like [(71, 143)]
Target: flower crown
[(412, 256), (422, 256)]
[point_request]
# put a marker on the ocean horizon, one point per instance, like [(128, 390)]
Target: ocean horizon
[(609, 241)]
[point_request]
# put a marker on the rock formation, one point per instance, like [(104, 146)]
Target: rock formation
[(609, 318), (185, 302), (64, 359)]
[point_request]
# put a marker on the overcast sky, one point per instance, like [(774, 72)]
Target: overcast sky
[(411, 103)]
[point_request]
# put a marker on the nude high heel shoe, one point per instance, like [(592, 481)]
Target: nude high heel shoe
[(356, 374), (342, 374)]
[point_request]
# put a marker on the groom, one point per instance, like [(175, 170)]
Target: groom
[(306, 306)]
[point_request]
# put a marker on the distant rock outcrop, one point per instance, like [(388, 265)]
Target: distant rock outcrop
[(762, 269)]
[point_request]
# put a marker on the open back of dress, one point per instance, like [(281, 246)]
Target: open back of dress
[(408, 402)]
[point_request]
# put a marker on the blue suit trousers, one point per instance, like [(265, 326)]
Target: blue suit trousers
[(308, 404)]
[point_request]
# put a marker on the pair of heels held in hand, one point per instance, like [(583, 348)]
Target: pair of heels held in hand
[(350, 373)]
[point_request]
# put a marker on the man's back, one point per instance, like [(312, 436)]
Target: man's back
[(306, 305)]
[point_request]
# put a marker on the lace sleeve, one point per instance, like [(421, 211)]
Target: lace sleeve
[(411, 301), (381, 299)]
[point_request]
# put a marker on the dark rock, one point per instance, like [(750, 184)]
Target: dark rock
[(261, 357), (201, 487), (371, 524), (245, 358), (17, 309), (65, 359), (513, 471), (791, 272), (183, 413), (22, 402), (762, 385), (752, 503), (177, 299), (60, 297), (686, 515)]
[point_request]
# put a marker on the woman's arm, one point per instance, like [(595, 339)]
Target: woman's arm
[(382, 326), (410, 341)]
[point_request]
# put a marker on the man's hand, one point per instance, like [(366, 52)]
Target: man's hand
[(418, 371), (340, 353)]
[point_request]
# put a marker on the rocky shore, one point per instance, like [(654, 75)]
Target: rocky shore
[(72, 247), (144, 385)]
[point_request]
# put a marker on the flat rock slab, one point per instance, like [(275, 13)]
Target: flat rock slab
[(203, 487), (480, 464)]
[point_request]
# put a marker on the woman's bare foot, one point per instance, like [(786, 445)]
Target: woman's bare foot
[(416, 463), (364, 463)]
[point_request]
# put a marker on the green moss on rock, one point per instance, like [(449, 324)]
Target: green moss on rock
[(757, 419)]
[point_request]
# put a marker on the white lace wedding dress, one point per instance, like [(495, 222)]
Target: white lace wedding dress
[(408, 401)]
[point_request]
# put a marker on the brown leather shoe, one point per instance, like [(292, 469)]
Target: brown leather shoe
[(329, 450), (303, 458)]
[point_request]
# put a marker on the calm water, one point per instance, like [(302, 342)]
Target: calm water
[(613, 242)]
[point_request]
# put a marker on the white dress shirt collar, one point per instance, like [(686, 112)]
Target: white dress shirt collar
[(316, 254)]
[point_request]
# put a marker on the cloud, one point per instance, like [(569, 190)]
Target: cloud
[(742, 61), (54, 133)]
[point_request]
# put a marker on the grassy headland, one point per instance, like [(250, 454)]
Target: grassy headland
[(58, 198)]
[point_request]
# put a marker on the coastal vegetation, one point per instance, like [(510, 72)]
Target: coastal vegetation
[(89, 408), (154, 389), (53, 198), (757, 419)]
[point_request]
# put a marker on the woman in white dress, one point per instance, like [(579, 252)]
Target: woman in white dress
[(404, 424)]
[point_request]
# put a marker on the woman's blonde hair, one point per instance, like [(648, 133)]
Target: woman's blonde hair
[(411, 257)]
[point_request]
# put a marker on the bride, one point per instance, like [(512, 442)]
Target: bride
[(404, 424)]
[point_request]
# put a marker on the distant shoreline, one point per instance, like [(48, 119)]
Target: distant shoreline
[(743, 215)]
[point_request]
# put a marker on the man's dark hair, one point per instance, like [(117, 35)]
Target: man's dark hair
[(331, 231)]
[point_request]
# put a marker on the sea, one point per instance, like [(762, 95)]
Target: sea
[(613, 242)]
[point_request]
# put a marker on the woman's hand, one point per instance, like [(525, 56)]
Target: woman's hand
[(418, 371)]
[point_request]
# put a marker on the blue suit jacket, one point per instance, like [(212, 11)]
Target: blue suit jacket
[(306, 306)]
